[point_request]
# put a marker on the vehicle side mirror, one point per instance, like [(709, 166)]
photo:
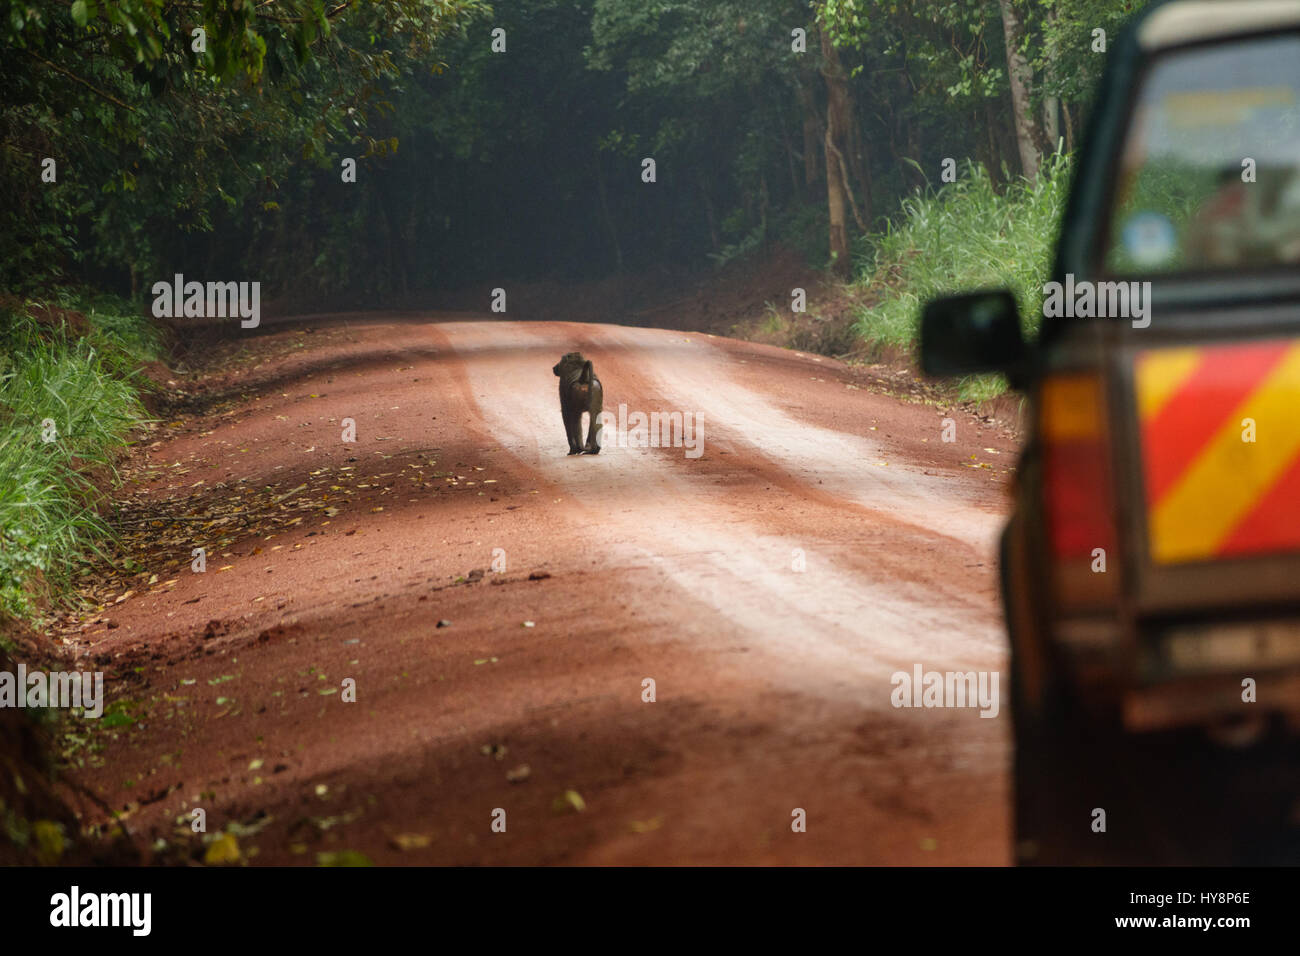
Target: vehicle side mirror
[(972, 333)]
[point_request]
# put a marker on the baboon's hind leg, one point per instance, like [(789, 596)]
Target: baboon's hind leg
[(593, 426), (573, 429)]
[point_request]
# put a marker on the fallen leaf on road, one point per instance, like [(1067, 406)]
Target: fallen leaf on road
[(49, 841), (343, 858), (411, 841), (569, 800), (224, 849)]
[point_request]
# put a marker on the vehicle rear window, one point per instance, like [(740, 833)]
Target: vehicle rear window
[(1209, 176)]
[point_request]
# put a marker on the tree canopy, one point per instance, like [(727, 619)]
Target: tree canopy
[(143, 137)]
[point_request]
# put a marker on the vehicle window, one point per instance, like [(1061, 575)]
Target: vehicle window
[(1209, 178)]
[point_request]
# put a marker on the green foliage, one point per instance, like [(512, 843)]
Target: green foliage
[(1064, 58), (802, 227), (950, 50), (156, 140), (473, 163), (700, 50), (709, 82), (962, 237), (85, 386)]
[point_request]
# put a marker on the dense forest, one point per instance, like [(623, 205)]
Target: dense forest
[(379, 149)]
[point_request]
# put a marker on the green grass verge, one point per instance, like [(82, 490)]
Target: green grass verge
[(79, 388), (962, 237)]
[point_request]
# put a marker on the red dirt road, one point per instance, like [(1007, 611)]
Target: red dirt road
[(772, 685)]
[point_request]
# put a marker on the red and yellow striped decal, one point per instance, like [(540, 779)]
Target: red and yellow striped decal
[(1210, 491)]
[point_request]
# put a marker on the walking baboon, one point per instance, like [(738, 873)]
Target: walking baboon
[(580, 392)]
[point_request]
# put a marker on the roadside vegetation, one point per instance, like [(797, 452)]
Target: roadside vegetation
[(69, 395), (963, 236)]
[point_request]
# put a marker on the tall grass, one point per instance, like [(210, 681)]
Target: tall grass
[(962, 237), (82, 392)]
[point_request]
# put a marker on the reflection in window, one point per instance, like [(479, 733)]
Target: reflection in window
[(1210, 174)]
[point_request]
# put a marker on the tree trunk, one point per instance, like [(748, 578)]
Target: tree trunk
[(609, 220), (919, 179), (1021, 77), (835, 202), (837, 124), (857, 156), (386, 279), (670, 216), (709, 214), (902, 128), (789, 155), (409, 239), (811, 135), (994, 165), (1051, 102)]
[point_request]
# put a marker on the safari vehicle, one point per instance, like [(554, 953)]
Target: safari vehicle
[(1151, 567)]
